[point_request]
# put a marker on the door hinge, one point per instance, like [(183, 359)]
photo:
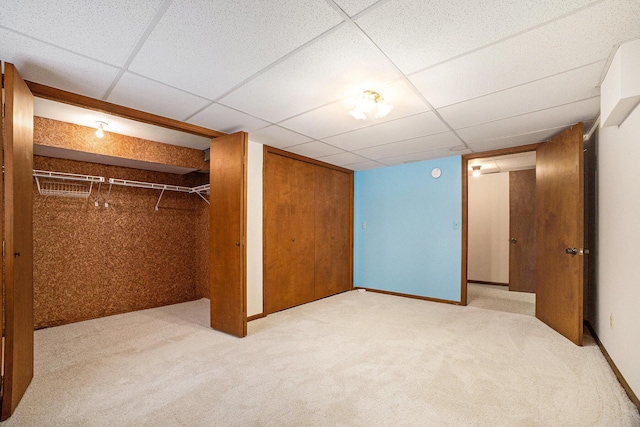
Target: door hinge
[(3, 249)]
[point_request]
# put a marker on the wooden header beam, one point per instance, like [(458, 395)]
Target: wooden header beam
[(59, 95)]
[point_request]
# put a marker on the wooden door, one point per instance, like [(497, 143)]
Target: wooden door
[(289, 232), (228, 233), (559, 233), (18, 236), (522, 231), (332, 231)]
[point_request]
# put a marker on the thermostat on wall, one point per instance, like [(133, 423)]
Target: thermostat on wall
[(436, 172)]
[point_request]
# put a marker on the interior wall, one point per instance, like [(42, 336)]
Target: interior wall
[(618, 270), (254, 230), (408, 229), (97, 261), (488, 222)]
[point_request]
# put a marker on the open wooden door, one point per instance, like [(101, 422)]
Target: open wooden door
[(228, 233), (17, 140), (560, 234)]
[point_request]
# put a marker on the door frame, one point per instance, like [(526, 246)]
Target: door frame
[(465, 204)]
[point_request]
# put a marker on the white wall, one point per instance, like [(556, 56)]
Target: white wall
[(488, 222), (254, 229), (618, 269)]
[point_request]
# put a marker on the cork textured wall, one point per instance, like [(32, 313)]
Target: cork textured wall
[(202, 251), (97, 261), (53, 133)]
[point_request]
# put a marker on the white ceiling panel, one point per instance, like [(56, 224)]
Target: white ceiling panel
[(278, 137), (343, 159), (107, 30), (48, 65), (353, 7), (384, 133), (83, 117), (563, 88), (314, 149), (339, 65), (563, 115), (516, 161), (226, 120), (424, 155), (146, 95), (230, 39), (334, 119), (415, 145), (361, 166), (580, 39), (516, 140), (443, 29)]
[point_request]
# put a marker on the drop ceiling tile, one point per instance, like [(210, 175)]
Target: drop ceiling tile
[(343, 159), (353, 7), (564, 88), (105, 30), (361, 166), (563, 115), (415, 145), (42, 63), (334, 118), (579, 39), (424, 155), (516, 140), (339, 65), (314, 149), (227, 120), (278, 137), (444, 29), (524, 161), (146, 95), (392, 131), (229, 39)]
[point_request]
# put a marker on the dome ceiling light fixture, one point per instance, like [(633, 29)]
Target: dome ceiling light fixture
[(476, 170), (368, 101)]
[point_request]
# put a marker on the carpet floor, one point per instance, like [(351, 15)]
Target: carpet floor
[(354, 359), (499, 298)]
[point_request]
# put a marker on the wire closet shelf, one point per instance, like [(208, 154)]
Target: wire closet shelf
[(155, 186), (66, 184), (80, 186)]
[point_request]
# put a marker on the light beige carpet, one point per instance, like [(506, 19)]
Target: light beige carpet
[(499, 298), (355, 359)]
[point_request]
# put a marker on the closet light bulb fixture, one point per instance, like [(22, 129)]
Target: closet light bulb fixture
[(476, 170), (100, 131), (367, 102)]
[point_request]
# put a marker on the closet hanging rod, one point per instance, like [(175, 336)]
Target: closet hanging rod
[(68, 176)]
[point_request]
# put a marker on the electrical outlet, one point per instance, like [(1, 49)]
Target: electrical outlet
[(364, 225)]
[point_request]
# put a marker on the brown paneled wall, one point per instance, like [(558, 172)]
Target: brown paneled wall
[(97, 261)]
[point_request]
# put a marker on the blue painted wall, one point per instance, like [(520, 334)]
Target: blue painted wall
[(412, 240)]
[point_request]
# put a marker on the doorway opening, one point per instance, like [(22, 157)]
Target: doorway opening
[(500, 219)]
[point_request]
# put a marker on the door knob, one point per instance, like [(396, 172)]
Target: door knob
[(583, 252), (513, 240), (571, 251), (237, 243), (293, 239)]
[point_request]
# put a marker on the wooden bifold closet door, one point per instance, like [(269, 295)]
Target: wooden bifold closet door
[(308, 212)]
